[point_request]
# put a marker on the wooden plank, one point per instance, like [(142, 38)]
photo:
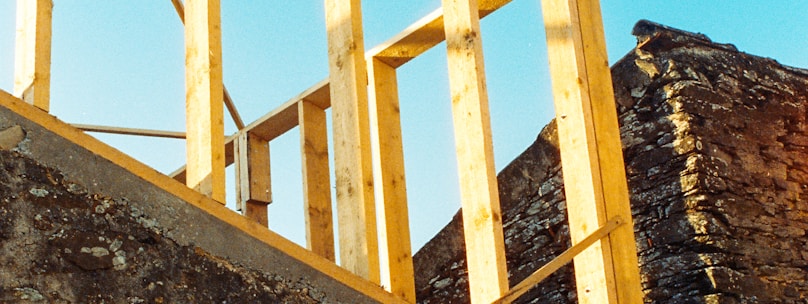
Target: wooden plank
[(257, 212), (610, 154), (228, 102), (195, 199), (353, 168), (180, 9), (395, 52), (591, 154), (130, 131), (33, 52), (482, 219), (276, 122), (431, 27), (422, 36), (285, 117), (229, 158), (204, 94), (562, 259), (231, 108), (253, 179), (413, 41), (316, 180), (388, 152)]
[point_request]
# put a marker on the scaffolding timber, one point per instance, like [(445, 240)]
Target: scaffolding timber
[(362, 94)]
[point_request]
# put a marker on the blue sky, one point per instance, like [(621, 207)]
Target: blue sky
[(120, 63)]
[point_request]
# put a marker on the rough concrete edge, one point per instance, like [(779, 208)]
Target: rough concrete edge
[(91, 163)]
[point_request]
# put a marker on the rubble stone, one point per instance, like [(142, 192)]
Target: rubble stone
[(716, 148)]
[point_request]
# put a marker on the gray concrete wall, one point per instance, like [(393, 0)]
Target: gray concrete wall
[(76, 228)]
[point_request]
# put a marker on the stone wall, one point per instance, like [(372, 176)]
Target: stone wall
[(716, 147), (60, 244)]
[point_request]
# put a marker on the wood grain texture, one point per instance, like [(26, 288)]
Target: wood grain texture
[(316, 180), (482, 218), (591, 153), (356, 214), (388, 153), (204, 94), (32, 56)]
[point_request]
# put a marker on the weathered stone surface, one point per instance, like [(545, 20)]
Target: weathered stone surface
[(716, 148), (61, 244)]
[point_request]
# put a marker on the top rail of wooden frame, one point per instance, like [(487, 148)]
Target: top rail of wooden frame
[(422, 36), (403, 47)]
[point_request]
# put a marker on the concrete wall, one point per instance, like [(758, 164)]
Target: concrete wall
[(76, 227)]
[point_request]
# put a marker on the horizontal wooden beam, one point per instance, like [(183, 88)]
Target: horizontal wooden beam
[(276, 122), (130, 131), (422, 36), (269, 126), (285, 117), (562, 259)]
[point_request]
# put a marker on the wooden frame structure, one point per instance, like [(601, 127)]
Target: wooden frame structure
[(33, 52), (595, 185)]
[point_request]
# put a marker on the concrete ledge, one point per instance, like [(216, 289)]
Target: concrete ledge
[(183, 215)]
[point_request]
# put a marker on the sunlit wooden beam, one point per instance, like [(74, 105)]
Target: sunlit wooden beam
[(353, 168), (316, 179), (204, 93), (276, 122), (591, 154), (130, 131), (228, 101), (559, 261), (253, 179), (270, 125), (33, 52), (422, 36), (482, 218), (388, 153)]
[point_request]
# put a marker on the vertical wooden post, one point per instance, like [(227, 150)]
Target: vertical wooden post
[(316, 179), (388, 151), (33, 52), (482, 219), (591, 154), (253, 178), (353, 166), (203, 92)]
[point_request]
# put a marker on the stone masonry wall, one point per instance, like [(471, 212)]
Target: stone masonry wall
[(716, 148), (61, 244)]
